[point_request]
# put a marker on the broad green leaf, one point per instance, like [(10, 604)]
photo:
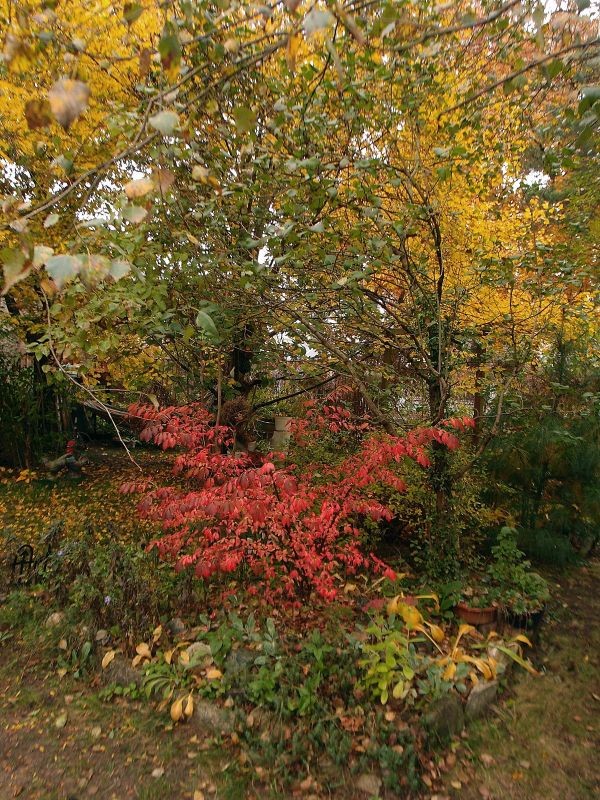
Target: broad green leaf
[(169, 49), (134, 214), (245, 119), (132, 12), (590, 94), (165, 122), (13, 261), (41, 254), (398, 690), (205, 321), (62, 269), (119, 268), (527, 665)]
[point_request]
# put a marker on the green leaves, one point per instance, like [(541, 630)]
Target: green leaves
[(91, 268), (169, 48), (590, 94), (164, 122), (13, 261), (134, 214), (206, 323), (119, 269), (62, 269), (132, 12), (245, 119)]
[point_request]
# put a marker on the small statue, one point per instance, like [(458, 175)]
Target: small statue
[(69, 461)]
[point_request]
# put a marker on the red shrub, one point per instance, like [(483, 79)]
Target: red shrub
[(292, 533)]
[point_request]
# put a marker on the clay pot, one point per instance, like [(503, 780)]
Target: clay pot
[(476, 616)]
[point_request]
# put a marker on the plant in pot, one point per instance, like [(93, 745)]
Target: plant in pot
[(284, 412), (472, 602), (477, 604), (522, 593)]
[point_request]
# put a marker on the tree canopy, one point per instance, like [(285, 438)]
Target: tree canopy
[(402, 194)]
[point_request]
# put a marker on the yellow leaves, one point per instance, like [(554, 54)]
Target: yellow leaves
[(26, 476), (177, 710), (143, 650), (449, 672), (108, 658), (231, 45), (202, 175), (437, 634), (481, 664), (464, 630), (156, 634), (411, 615), (143, 653), (182, 708), (68, 100), (291, 53), (214, 674), (520, 637)]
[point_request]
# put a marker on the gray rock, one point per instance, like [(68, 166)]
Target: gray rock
[(369, 784), (211, 718), (445, 718), (481, 698), (240, 661), (197, 651), (120, 672), (55, 619), (102, 636)]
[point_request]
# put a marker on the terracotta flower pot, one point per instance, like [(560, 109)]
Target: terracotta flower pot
[(476, 616)]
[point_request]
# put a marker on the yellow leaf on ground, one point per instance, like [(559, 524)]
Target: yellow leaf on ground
[(108, 657), (214, 674), (143, 650)]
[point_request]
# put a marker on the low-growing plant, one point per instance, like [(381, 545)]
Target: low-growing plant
[(114, 586), (518, 588), (405, 655), (389, 661), (76, 661)]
